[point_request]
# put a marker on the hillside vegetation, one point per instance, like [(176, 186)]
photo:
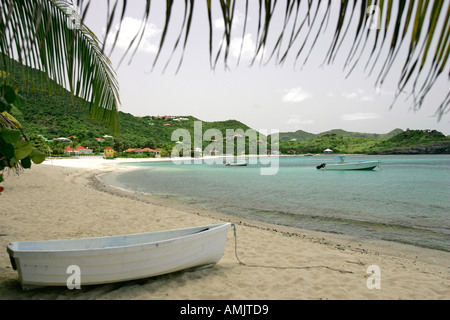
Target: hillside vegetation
[(301, 135), (406, 142), (45, 117)]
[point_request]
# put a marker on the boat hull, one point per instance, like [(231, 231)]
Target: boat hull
[(237, 164), (368, 165), (118, 258)]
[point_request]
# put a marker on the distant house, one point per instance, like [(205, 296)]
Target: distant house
[(328, 151), (100, 139), (163, 117), (140, 151), (63, 139), (78, 150), (167, 125), (109, 153)]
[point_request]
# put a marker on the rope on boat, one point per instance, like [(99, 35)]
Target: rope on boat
[(278, 267)]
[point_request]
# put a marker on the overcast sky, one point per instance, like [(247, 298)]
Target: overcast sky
[(311, 97)]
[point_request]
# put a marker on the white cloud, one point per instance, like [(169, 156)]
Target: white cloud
[(219, 24), (359, 116), (367, 98), (351, 95), (244, 48), (296, 95), (297, 120), (130, 27), (381, 91), (358, 94)]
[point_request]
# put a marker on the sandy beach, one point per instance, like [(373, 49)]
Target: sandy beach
[(64, 198)]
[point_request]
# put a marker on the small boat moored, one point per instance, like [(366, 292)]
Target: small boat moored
[(237, 164), (117, 258), (342, 166)]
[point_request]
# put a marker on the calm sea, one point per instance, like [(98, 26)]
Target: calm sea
[(406, 200)]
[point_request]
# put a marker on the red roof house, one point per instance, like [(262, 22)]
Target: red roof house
[(78, 150)]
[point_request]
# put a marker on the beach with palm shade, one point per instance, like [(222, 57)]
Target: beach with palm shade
[(66, 198)]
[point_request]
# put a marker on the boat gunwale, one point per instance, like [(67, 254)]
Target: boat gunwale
[(352, 163), (202, 231)]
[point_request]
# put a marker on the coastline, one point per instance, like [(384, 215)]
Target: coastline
[(63, 198)]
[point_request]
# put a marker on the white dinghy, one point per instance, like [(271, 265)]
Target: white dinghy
[(117, 258)]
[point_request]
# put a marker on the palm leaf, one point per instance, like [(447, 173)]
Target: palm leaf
[(420, 27), (39, 34)]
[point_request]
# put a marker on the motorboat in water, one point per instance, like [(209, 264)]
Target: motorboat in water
[(237, 164), (343, 165)]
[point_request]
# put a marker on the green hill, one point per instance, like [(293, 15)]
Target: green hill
[(343, 133), (339, 144), (47, 116), (301, 135), (408, 142), (412, 142)]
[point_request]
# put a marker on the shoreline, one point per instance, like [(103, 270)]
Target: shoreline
[(37, 207), (335, 240)]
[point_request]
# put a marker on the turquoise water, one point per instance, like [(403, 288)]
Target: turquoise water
[(407, 200)]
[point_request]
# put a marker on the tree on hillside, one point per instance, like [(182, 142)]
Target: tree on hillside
[(50, 35)]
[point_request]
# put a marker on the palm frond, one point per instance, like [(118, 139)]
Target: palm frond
[(421, 28), (47, 35)]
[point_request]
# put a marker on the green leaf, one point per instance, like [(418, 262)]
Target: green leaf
[(10, 135), (4, 105), (22, 149), (9, 94), (20, 101), (26, 162), (39, 35), (37, 157), (8, 151)]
